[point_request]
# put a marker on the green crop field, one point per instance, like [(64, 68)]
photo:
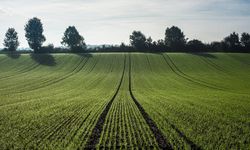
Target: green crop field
[(125, 101)]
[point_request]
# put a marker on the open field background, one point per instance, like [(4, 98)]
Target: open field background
[(125, 100)]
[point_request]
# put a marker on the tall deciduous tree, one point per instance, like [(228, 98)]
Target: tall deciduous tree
[(73, 39), (149, 43), (245, 40), (232, 41), (175, 38), (11, 40), (196, 46), (138, 40), (34, 34)]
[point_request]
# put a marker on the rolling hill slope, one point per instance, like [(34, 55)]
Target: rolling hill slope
[(125, 100)]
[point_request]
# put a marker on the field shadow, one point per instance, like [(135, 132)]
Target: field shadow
[(206, 55), (13, 55), (44, 59)]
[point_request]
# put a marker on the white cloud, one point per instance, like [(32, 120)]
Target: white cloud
[(111, 21)]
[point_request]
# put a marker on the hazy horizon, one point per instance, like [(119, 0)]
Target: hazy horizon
[(112, 21)]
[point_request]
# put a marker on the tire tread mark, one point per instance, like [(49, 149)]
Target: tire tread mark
[(192, 145), (23, 71), (181, 74), (149, 63), (97, 130), (15, 69), (160, 138), (197, 80), (54, 82), (214, 65), (48, 82)]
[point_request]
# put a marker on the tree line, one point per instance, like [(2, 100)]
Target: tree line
[(175, 41)]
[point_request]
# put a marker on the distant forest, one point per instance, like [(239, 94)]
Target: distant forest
[(175, 41)]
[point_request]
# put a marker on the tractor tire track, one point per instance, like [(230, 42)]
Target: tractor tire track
[(215, 66), (84, 136), (160, 138), (9, 104), (29, 100), (150, 67), (94, 65), (15, 68), (50, 79), (20, 72), (47, 83), (96, 132), (192, 145), (184, 74), (181, 74)]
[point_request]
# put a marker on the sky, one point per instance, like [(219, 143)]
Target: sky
[(112, 21)]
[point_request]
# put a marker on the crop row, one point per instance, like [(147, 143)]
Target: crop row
[(125, 126), (192, 117), (62, 121), (37, 77), (126, 101)]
